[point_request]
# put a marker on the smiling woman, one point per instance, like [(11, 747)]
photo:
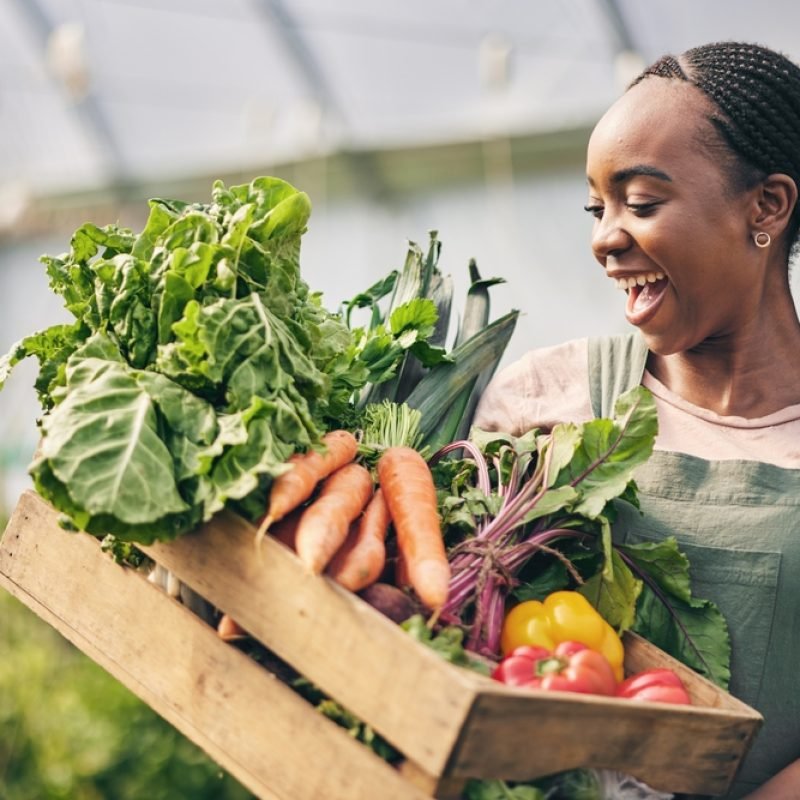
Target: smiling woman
[(693, 177)]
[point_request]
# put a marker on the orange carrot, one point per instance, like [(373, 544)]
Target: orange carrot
[(401, 578), (285, 530), (410, 494), (325, 523), (360, 560), (296, 485), (229, 630)]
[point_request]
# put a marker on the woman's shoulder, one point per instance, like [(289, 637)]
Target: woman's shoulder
[(545, 386)]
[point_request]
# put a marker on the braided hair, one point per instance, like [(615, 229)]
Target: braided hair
[(756, 94)]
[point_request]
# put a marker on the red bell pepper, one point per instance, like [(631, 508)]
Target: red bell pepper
[(570, 667), (658, 685)]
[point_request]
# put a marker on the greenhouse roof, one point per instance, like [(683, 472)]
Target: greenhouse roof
[(103, 92)]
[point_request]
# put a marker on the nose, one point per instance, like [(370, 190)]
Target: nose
[(609, 238)]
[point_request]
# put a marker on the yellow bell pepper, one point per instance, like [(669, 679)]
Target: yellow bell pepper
[(562, 617)]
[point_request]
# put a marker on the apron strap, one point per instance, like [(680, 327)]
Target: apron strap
[(616, 364)]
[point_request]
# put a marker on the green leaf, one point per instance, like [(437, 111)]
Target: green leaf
[(160, 218), (371, 297), (614, 595), (288, 219), (547, 580), (418, 315), (238, 349), (551, 502), (610, 451), (102, 442), (428, 355), (448, 643), (690, 629), (500, 790), (52, 348), (253, 442)]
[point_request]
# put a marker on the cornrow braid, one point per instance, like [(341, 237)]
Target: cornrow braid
[(666, 67), (757, 93)]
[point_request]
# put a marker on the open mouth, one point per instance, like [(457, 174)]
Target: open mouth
[(645, 294)]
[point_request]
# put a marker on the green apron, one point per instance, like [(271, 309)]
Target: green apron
[(738, 522)]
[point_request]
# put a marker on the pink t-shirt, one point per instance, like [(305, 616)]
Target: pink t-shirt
[(551, 385)]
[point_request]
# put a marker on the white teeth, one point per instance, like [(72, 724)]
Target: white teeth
[(639, 280)]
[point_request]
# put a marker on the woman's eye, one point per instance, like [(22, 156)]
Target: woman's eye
[(595, 210), (641, 209)]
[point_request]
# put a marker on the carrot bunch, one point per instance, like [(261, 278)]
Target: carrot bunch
[(343, 530)]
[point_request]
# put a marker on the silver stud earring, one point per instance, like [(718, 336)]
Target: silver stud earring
[(762, 239)]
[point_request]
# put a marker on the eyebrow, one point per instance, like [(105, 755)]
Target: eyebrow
[(622, 175)]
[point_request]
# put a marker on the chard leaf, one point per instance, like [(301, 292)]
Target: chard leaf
[(190, 424), (287, 219), (160, 218), (614, 596), (165, 527), (130, 314), (551, 502), (238, 349), (253, 442), (690, 629), (52, 347), (547, 580), (610, 450), (102, 442), (558, 450), (192, 226)]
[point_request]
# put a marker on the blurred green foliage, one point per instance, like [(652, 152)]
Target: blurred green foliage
[(69, 731)]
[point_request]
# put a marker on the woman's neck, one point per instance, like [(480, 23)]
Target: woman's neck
[(750, 375)]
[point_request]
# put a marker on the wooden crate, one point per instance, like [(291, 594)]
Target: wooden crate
[(451, 724)]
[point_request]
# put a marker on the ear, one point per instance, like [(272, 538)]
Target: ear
[(775, 198)]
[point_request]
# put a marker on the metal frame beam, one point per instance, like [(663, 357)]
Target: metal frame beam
[(88, 109), (364, 168), (622, 32)]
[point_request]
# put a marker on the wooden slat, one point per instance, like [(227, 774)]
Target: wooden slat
[(674, 748), (441, 787), (253, 725), (406, 692)]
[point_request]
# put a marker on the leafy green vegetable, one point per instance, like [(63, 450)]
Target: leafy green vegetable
[(198, 362), (615, 596), (442, 385), (532, 514), (501, 790), (124, 552), (388, 424), (337, 713), (447, 642), (554, 487), (608, 450), (691, 629)]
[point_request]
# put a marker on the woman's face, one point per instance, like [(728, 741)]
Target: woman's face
[(668, 228)]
